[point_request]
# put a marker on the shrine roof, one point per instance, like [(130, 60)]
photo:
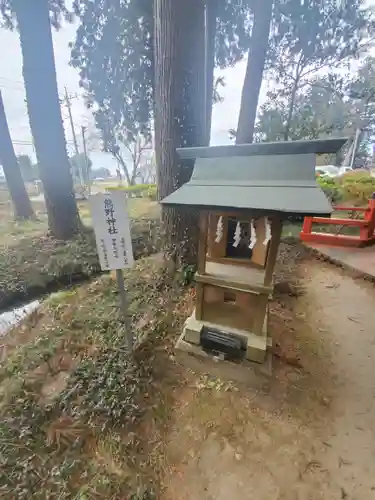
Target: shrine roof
[(316, 146), (267, 177)]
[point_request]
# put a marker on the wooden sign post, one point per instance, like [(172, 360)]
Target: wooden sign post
[(111, 225)]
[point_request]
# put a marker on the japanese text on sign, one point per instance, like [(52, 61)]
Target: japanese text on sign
[(112, 230)]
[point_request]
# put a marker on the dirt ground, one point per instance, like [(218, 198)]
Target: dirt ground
[(307, 432)]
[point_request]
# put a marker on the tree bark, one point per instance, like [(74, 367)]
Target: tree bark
[(122, 162), (12, 171), (44, 111), (212, 10), (179, 112), (254, 71)]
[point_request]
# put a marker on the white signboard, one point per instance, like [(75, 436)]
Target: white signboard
[(111, 225)]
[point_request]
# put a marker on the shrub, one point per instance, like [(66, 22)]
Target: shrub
[(330, 188), (152, 193), (136, 191), (357, 186)]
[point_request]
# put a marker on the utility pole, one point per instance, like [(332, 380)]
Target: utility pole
[(88, 173), (358, 134), (69, 105)]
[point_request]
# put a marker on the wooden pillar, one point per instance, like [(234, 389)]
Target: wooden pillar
[(202, 243), (276, 229), (260, 314), (261, 310), (201, 267), (217, 250)]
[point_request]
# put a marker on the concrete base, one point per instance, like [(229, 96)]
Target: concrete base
[(257, 375), (256, 345)]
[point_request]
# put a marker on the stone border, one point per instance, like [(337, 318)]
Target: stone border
[(357, 273)]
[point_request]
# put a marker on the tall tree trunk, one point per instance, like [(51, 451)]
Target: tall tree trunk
[(12, 171), (44, 111), (179, 111), (212, 11), (290, 111), (254, 71)]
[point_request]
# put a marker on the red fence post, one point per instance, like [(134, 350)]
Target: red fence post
[(366, 227), (307, 225), (370, 215)]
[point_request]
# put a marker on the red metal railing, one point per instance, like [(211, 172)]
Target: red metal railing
[(366, 227)]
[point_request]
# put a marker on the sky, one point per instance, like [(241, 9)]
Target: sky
[(225, 114)]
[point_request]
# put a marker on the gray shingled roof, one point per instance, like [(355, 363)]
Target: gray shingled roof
[(316, 146), (267, 182)]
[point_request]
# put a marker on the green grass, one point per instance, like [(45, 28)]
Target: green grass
[(11, 231), (71, 397)]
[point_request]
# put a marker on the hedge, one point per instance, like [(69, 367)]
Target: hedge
[(137, 190), (355, 187), (358, 186), (330, 189)]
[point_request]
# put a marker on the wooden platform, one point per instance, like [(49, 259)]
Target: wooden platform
[(235, 277), (238, 274)]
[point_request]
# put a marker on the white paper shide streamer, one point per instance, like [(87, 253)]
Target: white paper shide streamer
[(253, 235), (219, 230), (268, 231), (237, 235)]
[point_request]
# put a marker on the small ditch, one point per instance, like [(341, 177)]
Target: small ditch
[(18, 298), (10, 319), (146, 241)]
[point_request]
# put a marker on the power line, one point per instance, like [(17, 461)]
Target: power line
[(20, 142), (6, 86), (18, 82), (11, 81), (65, 99)]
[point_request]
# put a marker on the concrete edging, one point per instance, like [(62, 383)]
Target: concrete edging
[(317, 253)]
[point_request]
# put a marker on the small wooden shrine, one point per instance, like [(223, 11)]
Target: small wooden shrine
[(243, 194)]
